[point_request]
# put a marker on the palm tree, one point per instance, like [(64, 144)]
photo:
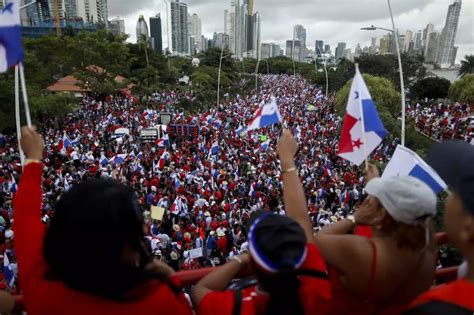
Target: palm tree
[(143, 43), (467, 65)]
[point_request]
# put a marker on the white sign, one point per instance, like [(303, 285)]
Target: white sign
[(195, 253)]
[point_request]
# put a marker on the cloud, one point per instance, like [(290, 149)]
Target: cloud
[(330, 20)]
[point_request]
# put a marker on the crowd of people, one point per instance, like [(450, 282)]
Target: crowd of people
[(209, 186), (444, 122)]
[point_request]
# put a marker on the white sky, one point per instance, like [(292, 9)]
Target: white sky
[(330, 20)]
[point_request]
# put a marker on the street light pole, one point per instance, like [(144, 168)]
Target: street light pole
[(402, 83), (256, 74), (219, 76)]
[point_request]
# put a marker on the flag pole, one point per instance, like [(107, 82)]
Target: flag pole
[(17, 115), (362, 123), (25, 94)]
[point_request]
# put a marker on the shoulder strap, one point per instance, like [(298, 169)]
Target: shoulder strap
[(237, 302), (373, 270), (314, 274)]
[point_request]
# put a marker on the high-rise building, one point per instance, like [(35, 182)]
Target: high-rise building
[(69, 9), (178, 27), (229, 28), (2, 4), (426, 37), (269, 50), (142, 29), (319, 47), (347, 54), (221, 40), (341, 47), (373, 46), (91, 11), (433, 45), (36, 14), (448, 36), (195, 28), (204, 44), (418, 41), (250, 7), (299, 33), (254, 35), (401, 42), (246, 32), (116, 26), (294, 50), (408, 41), (327, 49), (156, 36), (357, 51), (384, 46)]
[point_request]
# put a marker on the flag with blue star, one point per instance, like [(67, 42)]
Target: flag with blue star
[(11, 50)]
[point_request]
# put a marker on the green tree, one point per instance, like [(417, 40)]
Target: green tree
[(467, 65), (143, 43), (383, 92), (432, 88), (103, 57), (463, 89)]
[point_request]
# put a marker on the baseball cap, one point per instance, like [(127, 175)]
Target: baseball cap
[(277, 243), (407, 199), (454, 162)]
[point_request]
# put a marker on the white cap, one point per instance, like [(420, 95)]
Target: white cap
[(406, 198)]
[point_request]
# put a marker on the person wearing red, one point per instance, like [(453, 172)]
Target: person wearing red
[(291, 273), (92, 258), (453, 162)]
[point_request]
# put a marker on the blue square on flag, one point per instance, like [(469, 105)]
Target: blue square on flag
[(11, 51)]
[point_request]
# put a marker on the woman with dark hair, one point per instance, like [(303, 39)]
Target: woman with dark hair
[(290, 272), (92, 259)]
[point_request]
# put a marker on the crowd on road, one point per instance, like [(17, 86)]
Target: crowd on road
[(444, 122), (208, 195)]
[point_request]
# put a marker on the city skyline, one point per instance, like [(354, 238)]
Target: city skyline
[(408, 17)]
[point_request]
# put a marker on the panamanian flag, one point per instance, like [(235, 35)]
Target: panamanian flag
[(266, 115), (359, 140), (11, 51)]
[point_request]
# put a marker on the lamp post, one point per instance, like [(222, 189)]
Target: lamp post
[(402, 83), (256, 74), (219, 76), (325, 71)]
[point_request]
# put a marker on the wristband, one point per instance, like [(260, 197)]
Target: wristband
[(291, 169)]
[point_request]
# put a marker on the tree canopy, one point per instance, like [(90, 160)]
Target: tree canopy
[(463, 90), (431, 88)]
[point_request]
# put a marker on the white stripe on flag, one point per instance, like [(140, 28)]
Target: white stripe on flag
[(3, 59)]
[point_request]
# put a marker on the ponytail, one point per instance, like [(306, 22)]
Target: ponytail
[(283, 289)]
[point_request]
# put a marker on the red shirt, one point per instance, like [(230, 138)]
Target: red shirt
[(315, 293), (460, 293), (53, 297)]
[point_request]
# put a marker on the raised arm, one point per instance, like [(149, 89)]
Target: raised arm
[(219, 279), (29, 231), (293, 194)]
